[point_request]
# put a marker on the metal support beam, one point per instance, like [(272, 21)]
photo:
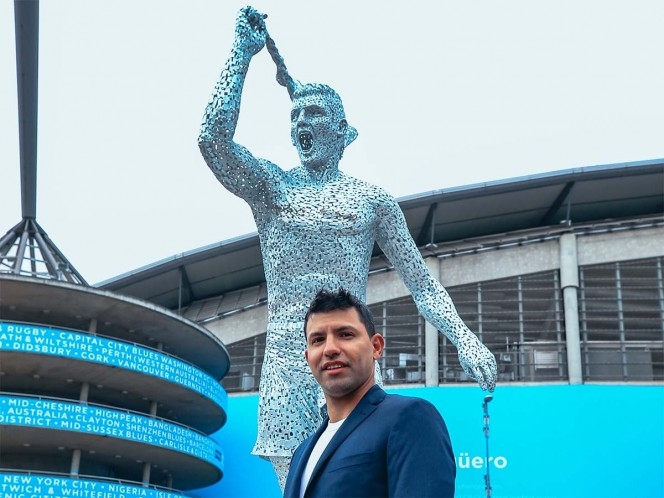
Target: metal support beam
[(549, 217), (426, 235), (28, 241), (21, 251), (26, 19), (51, 263), (184, 288)]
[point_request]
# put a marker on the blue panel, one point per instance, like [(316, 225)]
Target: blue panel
[(45, 486), (591, 441), (58, 415), (555, 441), (245, 475), (37, 339)]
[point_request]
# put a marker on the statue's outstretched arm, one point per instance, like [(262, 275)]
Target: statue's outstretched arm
[(431, 298), (233, 165)]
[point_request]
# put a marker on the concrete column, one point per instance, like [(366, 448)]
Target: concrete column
[(569, 282), (75, 463), (431, 336), (76, 455), (93, 326), (431, 360), (153, 409), (147, 465), (85, 392), (146, 474)]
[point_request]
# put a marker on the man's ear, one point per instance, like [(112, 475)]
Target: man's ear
[(378, 343), (306, 355)]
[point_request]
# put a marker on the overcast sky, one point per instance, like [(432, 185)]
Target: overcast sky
[(443, 94)]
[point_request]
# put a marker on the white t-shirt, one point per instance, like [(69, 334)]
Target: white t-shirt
[(319, 448)]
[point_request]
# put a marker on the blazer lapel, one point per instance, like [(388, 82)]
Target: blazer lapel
[(364, 408), (301, 463)]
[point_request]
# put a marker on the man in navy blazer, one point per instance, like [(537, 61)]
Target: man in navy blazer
[(372, 443)]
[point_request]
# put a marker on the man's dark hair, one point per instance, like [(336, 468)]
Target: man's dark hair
[(326, 301)]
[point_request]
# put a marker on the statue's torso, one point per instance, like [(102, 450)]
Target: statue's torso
[(315, 236)]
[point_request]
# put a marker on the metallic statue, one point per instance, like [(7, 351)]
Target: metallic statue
[(317, 228)]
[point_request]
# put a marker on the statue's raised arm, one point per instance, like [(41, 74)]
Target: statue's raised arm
[(233, 165)]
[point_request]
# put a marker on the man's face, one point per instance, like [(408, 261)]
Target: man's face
[(317, 129), (341, 354)]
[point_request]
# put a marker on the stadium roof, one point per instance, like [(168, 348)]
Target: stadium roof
[(594, 194)]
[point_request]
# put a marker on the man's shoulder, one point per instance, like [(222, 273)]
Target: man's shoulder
[(378, 396), (404, 410), (400, 403), (405, 400)]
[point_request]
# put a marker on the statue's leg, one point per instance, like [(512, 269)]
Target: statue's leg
[(281, 464)]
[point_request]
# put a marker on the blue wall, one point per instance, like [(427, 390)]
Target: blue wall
[(547, 441)]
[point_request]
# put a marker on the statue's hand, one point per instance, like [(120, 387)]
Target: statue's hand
[(478, 362), (250, 32)]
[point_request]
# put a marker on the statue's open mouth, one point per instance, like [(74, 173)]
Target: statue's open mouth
[(306, 139)]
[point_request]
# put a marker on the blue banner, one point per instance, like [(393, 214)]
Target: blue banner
[(547, 441), (46, 486), (37, 339), (59, 415)]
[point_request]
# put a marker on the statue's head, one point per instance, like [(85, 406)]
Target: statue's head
[(319, 129)]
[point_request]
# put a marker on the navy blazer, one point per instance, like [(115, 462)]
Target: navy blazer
[(389, 445)]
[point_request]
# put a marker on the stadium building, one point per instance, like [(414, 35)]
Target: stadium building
[(559, 274), (119, 390)]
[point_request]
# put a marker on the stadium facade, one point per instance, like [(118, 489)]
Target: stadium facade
[(560, 274)]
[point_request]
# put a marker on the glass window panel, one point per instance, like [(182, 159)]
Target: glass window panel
[(403, 328), (622, 320), (520, 320), (246, 362)]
